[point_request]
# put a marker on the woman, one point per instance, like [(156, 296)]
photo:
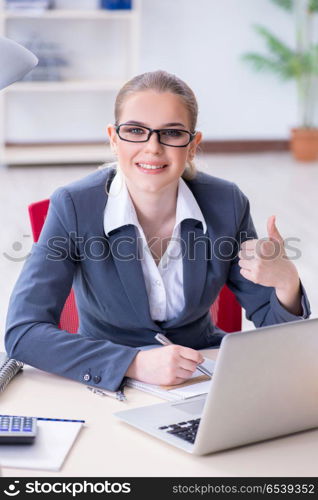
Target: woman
[(147, 249)]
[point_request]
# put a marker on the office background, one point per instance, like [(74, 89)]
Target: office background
[(245, 117)]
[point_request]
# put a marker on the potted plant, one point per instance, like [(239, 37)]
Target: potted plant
[(299, 63)]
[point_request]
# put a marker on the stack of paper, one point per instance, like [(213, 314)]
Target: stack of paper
[(53, 441)]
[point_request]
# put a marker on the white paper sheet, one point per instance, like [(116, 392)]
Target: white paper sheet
[(49, 450)]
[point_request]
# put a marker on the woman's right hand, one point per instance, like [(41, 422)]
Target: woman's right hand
[(168, 365)]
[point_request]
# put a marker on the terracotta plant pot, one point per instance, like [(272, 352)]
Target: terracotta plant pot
[(304, 144)]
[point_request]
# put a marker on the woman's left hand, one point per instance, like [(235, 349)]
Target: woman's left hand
[(265, 262)]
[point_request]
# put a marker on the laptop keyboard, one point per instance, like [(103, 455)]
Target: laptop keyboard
[(184, 430)]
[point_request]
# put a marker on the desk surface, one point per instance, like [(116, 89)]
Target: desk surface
[(107, 447)]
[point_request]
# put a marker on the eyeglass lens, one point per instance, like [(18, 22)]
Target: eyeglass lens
[(170, 137)]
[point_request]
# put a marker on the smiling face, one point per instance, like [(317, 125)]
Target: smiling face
[(156, 110)]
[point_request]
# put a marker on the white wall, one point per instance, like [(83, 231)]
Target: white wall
[(202, 41), (199, 40)]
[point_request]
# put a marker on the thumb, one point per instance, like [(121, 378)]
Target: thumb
[(272, 230)]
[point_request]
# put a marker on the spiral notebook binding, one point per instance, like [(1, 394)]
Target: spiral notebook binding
[(7, 371)]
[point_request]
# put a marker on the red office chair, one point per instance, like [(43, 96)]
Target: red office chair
[(226, 312), (69, 316)]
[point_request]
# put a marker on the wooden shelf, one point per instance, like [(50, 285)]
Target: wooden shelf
[(56, 154), (51, 124), (98, 14), (66, 86)]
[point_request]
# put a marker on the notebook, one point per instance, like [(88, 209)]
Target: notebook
[(9, 367), (197, 385)]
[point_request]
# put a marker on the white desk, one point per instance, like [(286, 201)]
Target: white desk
[(107, 447)]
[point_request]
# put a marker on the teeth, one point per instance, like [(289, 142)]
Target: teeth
[(149, 167)]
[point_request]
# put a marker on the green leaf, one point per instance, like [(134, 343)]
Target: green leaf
[(313, 6), (295, 67), (274, 44), (262, 63), (285, 4)]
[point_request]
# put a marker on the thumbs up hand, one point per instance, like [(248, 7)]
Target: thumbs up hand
[(272, 231), (264, 261)]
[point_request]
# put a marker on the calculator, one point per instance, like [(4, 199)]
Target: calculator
[(17, 430)]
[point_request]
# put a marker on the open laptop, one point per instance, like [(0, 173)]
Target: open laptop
[(264, 385)]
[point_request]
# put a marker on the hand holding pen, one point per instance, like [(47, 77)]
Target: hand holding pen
[(160, 368), (165, 341), (171, 366)]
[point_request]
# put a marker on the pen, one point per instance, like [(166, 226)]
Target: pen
[(54, 419), (119, 395), (165, 341), (60, 420)]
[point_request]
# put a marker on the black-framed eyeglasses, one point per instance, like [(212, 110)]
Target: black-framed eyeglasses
[(176, 138)]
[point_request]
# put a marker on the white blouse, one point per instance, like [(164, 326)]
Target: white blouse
[(164, 283)]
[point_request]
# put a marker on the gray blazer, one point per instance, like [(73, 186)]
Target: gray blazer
[(110, 290)]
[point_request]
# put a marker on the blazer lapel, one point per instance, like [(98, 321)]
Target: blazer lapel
[(124, 249), (195, 252)]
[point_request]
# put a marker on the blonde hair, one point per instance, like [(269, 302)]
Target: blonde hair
[(161, 81)]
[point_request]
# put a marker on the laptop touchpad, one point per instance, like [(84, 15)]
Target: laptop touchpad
[(192, 407)]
